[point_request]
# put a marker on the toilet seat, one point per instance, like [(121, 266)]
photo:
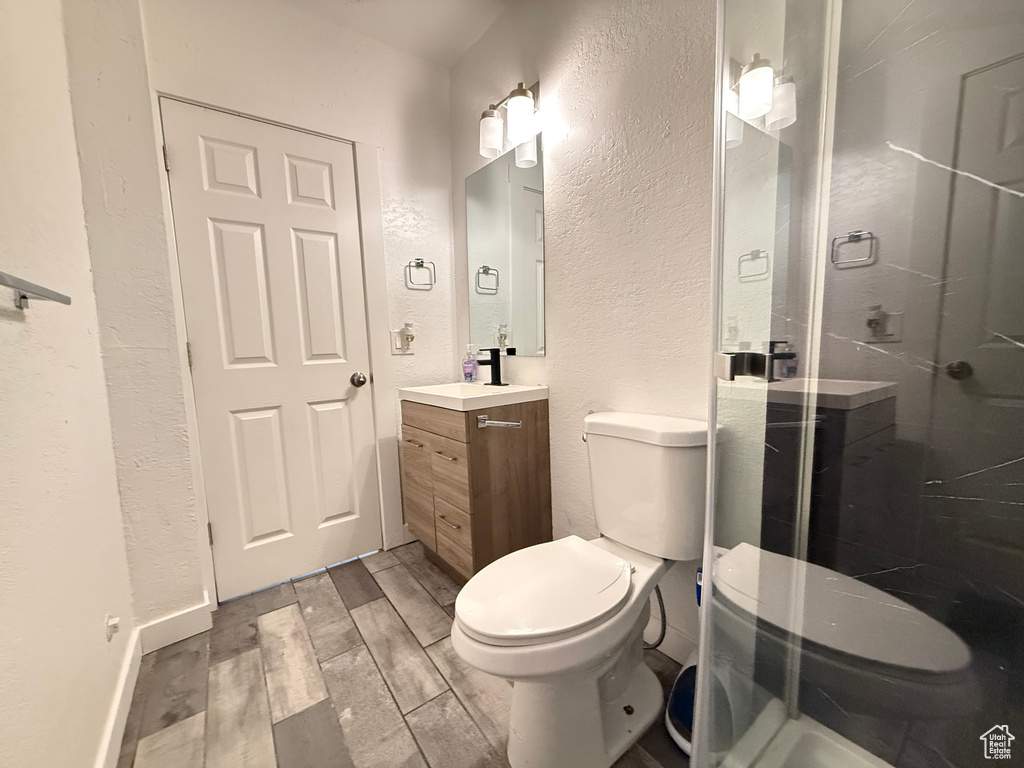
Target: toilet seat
[(543, 593), (837, 612), (867, 651)]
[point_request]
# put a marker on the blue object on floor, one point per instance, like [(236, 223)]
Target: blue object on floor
[(679, 711)]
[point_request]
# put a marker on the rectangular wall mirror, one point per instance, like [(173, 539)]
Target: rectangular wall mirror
[(505, 240)]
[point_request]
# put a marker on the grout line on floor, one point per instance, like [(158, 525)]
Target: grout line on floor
[(418, 581), (448, 685), (376, 665), (263, 668), (432, 698), (402, 618)]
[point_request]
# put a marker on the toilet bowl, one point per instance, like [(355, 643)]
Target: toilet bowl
[(564, 620), (570, 638)]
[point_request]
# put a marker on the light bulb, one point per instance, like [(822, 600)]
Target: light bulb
[(783, 111), (756, 83), (520, 115), (526, 154), (733, 124), (491, 133)]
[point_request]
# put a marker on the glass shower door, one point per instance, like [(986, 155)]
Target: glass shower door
[(771, 158), (864, 559)]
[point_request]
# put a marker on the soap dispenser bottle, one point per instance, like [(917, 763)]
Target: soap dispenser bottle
[(470, 367)]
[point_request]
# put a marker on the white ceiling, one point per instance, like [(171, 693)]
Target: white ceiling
[(436, 30)]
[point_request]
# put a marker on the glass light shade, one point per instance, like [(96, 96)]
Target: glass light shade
[(526, 154), (783, 111), (491, 134), (756, 85), (733, 124), (520, 116)]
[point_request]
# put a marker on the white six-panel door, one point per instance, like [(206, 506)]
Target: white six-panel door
[(267, 229)]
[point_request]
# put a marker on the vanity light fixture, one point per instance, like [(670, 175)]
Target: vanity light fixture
[(756, 84), (523, 125), (526, 154), (492, 129), (521, 120), (783, 111)]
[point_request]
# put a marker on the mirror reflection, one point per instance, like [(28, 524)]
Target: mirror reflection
[(505, 238)]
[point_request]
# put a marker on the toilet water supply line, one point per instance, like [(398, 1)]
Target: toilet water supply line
[(661, 609)]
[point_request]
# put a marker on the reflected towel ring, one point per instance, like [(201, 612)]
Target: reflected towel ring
[(410, 280), (487, 290), (853, 238), (750, 268)]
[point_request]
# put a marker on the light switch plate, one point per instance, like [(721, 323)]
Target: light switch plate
[(396, 344)]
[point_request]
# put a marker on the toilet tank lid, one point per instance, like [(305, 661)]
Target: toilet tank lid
[(669, 431)]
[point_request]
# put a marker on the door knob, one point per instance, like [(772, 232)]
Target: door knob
[(959, 370), (357, 379)]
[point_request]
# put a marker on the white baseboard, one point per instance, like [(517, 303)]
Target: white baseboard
[(143, 639), (113, 729), (676, 645), (177, 626)]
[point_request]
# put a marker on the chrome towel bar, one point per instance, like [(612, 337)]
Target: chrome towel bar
[(24, 290)]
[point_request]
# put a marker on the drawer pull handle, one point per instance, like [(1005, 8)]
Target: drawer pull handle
[(446, 458), (414, 444), (450, 525), (483, 421)]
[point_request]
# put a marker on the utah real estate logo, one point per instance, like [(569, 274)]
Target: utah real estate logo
[(997, 742)]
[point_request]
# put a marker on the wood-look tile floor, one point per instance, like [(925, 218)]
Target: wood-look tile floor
[(351, 667)]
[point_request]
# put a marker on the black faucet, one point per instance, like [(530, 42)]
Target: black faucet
[(495, 363)]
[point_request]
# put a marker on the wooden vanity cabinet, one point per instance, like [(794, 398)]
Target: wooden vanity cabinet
[(417, 487), (472, 495)]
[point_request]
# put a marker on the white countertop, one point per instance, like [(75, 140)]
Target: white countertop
[(470, 397), (841, 394)]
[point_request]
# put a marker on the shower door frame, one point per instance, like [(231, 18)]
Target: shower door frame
[(811, 360)]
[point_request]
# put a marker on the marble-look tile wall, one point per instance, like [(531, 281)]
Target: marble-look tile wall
[(940, 519)]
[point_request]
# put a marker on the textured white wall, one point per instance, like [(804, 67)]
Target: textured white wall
[(62, 559), (627, 98), (167, 551), (268, 59)]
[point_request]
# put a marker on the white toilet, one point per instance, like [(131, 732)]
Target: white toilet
[(564, 620), (866, 651)]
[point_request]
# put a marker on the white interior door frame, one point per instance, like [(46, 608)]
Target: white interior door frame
[(382, 387)]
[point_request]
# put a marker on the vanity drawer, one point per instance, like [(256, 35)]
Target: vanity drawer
[(417, 486), (454, 536), (439, 421), (450, 465), (420, 520)]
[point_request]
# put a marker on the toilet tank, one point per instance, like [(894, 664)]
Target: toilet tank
[(647, 475)]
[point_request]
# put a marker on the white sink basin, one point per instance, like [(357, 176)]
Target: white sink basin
[(470, 397)]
